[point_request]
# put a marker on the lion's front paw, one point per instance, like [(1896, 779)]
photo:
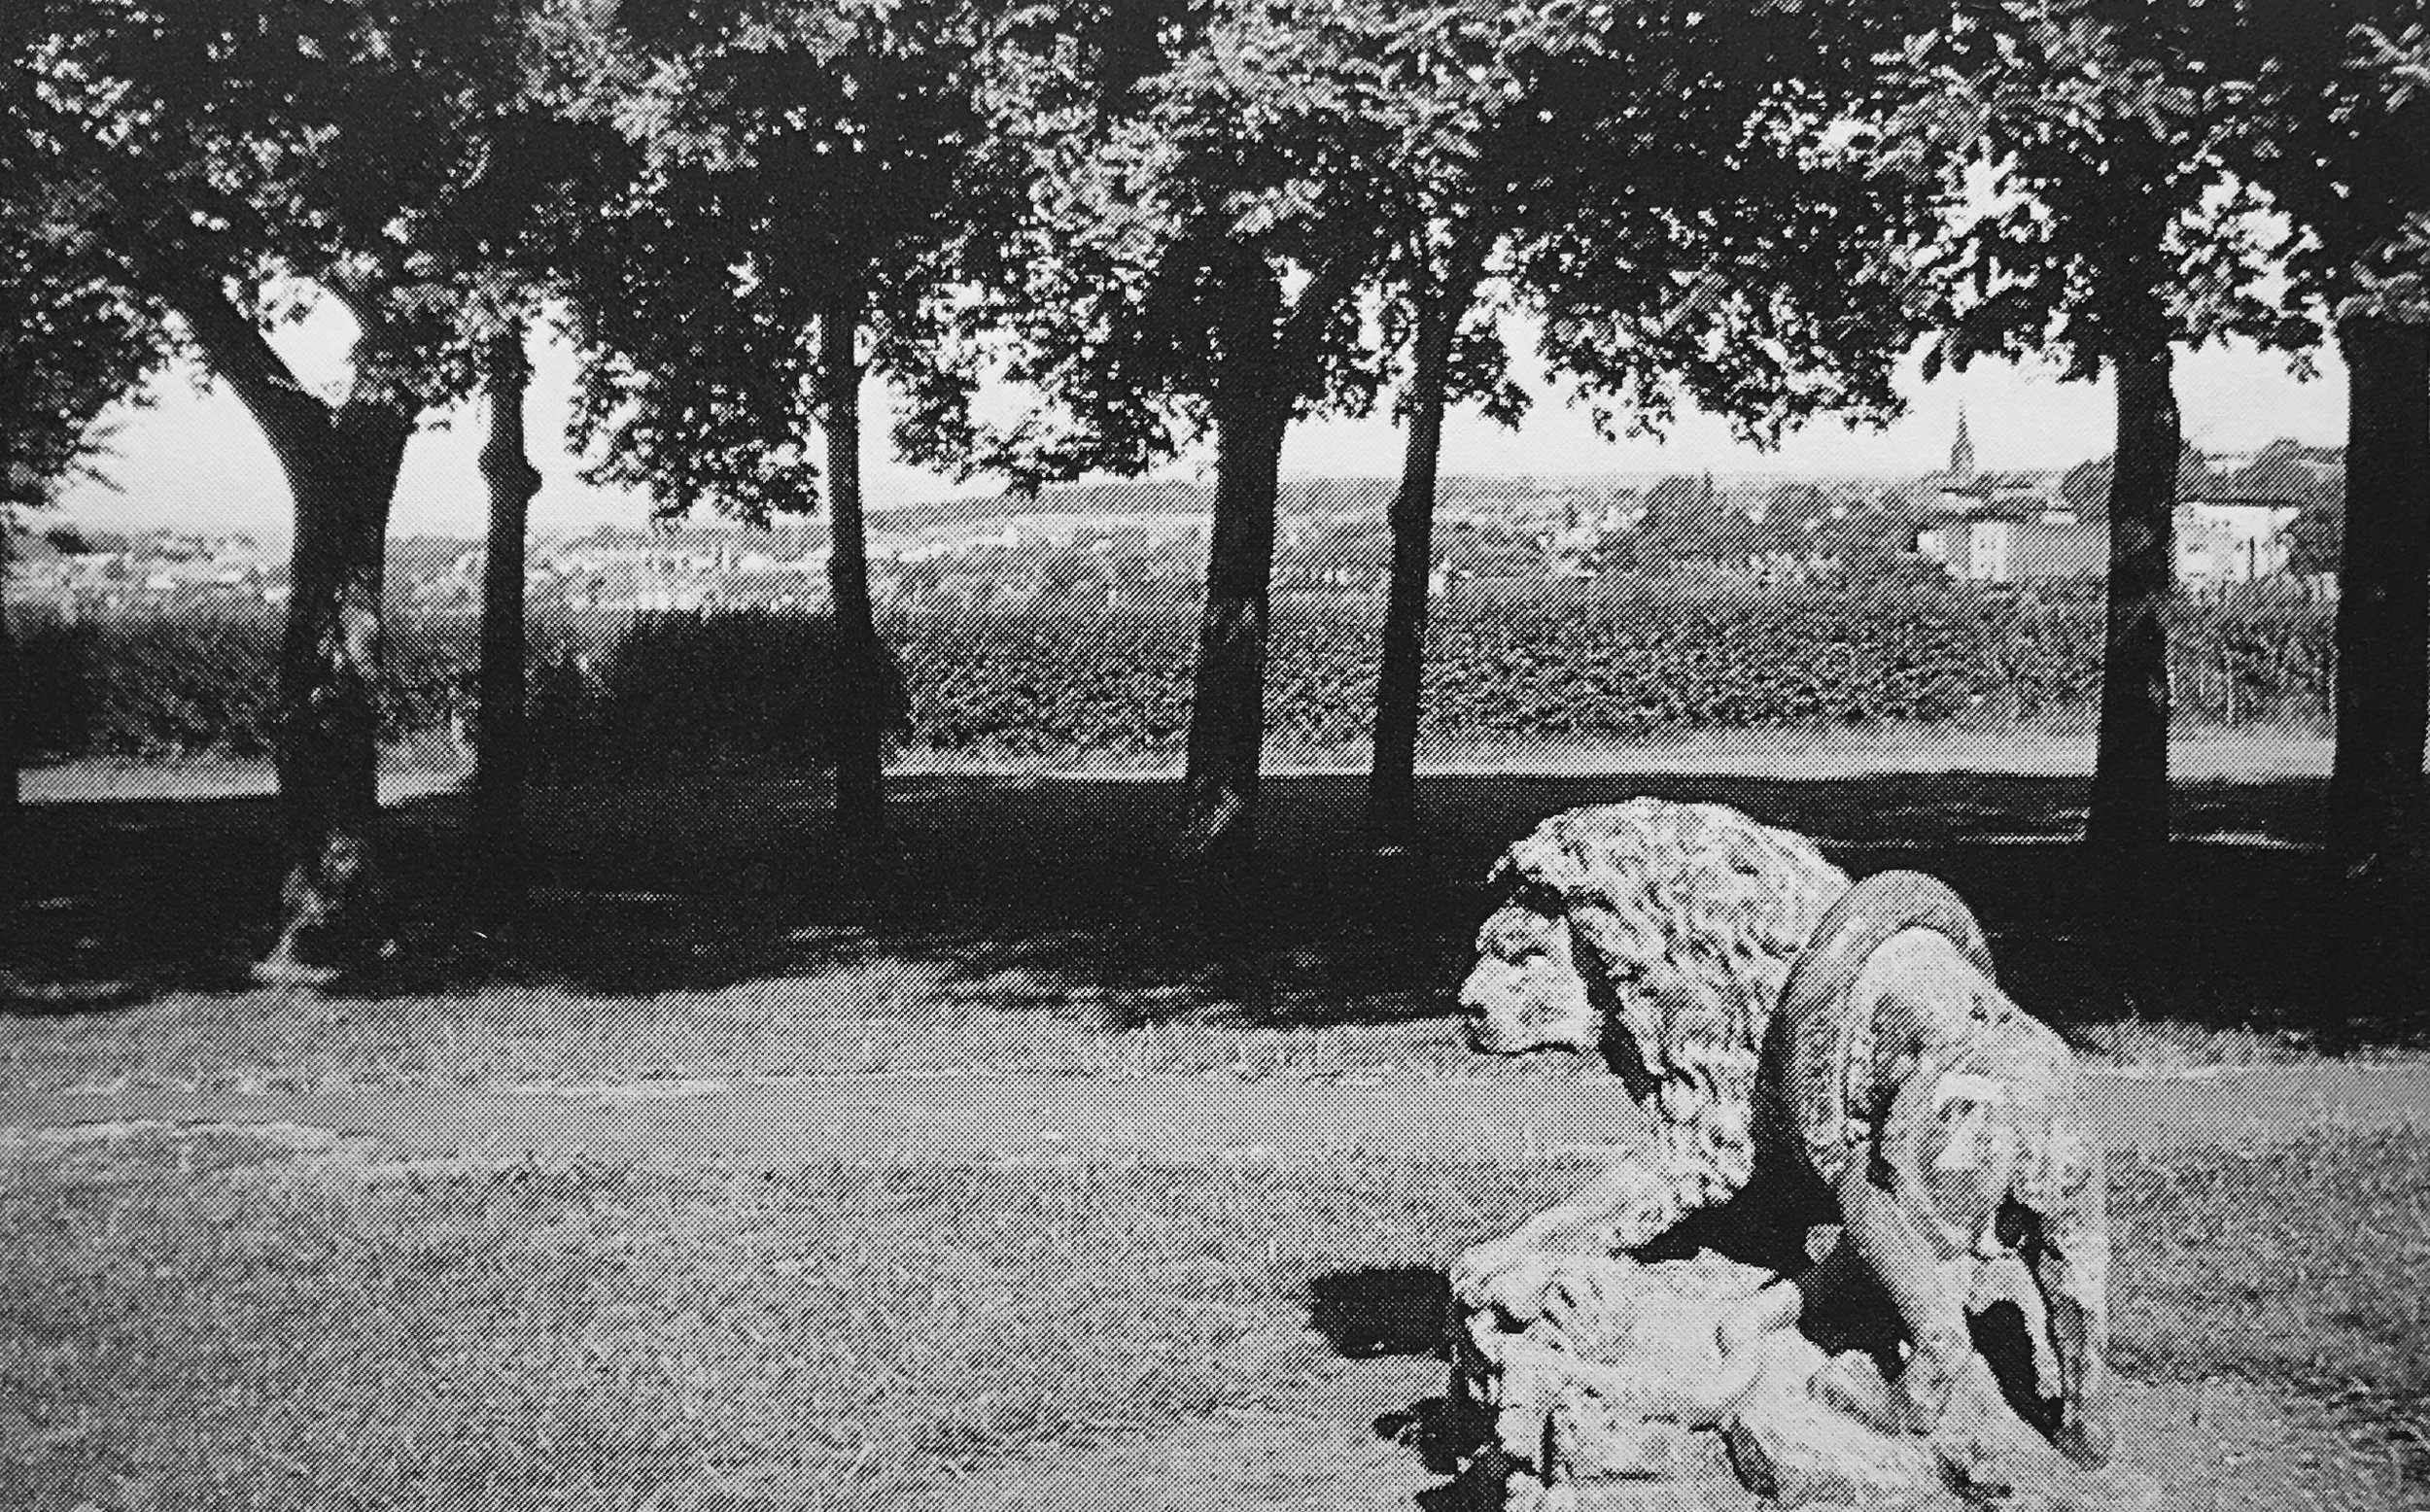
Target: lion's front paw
[(1585, 1304), (1513, 1289), (1475, 1274)]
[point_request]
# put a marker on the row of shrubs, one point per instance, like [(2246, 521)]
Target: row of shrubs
[(182, 685), (1116, 679), (621, 691), (1604, 665)]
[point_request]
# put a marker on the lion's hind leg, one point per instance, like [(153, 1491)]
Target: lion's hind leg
[(2069, 1250), (1909, 1263)]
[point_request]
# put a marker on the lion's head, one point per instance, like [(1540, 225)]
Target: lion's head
[(1659, 934), (1525, 992)]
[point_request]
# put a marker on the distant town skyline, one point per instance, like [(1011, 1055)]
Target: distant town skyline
[(194, 459)]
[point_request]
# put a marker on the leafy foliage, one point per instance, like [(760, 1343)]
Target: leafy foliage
[(176, 686), (1209, 186), (1707, 210), (2117, 229), (2333, 122), (791, 151), (683, 691), (375, 147), (1615, 667), (71, 344)]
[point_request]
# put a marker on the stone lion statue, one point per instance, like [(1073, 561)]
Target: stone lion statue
[(1843, 1045)]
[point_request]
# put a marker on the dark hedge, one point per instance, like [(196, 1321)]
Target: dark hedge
[(1079, 677)]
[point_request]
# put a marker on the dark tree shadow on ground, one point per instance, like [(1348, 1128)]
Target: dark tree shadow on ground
[(1398, 1310), (1381, 1310), (1062, 884)]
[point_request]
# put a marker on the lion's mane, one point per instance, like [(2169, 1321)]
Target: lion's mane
[(1683, 920)]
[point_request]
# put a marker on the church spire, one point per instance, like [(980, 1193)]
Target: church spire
[(1961, 452)]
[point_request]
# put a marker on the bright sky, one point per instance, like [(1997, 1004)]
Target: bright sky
[(194, 459)]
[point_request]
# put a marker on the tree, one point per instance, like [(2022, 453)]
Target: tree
[(811, 175), (1662, 197), (1240, 171), (1450, 176), (2118, 237), (249, 164), (1683, 521), (2335, 127), (1201, 217), (500, 748), (1714, 211), (72, 343), (551, 165)]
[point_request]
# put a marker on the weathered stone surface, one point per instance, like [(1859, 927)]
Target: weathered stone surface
[(1632, 1406), (1592, 1438), (1719, 1492), (1793, 1444), (1609, 1390), (1796, 1451), (1993, 1457), (1863, 1022)]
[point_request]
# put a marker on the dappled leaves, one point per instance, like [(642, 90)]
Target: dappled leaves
[(792, 156)]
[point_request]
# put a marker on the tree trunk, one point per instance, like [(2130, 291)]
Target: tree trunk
[(2130, 801), (1269, 349), (1400, 686), (341, 466), (860, 752), (333, 912), (2376, 809), (500, 751), (12, 689), (2383, 616), (1227, 707)]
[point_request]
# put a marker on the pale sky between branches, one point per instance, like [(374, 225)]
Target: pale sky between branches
[(194, 461)]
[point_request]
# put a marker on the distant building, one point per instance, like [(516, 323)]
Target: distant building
[(1968, 491), (2218, 542), (2006, 528), (2232, 540), (2040, 547)]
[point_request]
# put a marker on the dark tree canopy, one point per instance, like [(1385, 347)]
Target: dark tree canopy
[(1706, 210), (73, 340), (791, 150), (2118, 227)]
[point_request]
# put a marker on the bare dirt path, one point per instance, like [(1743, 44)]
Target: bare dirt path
[(791, 1121)]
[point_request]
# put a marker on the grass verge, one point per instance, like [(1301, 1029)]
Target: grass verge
[(211, 1322)]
